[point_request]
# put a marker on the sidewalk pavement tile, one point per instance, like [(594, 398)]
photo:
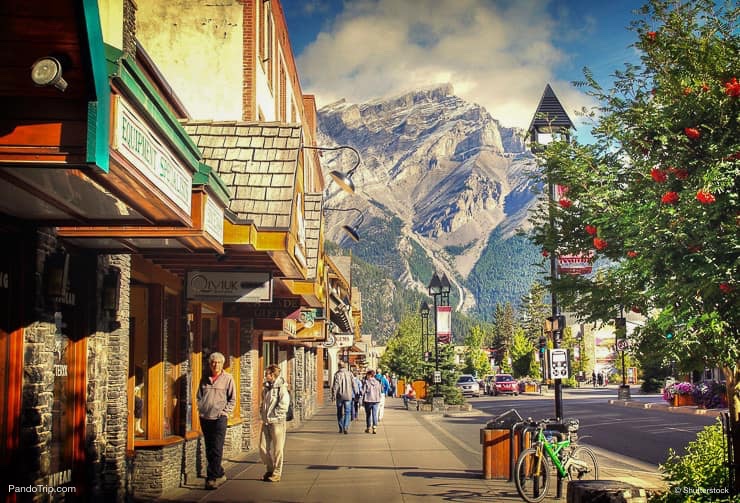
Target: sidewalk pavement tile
[(404, 462)]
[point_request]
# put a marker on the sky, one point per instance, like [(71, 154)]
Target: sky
[(497, 53)]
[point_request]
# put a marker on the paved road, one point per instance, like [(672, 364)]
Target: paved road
[(642, 434)]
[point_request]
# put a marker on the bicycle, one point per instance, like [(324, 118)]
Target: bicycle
[(572, 461)]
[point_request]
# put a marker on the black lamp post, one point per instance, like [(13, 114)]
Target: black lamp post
[(435, 291), (551, 122), (424, 312)]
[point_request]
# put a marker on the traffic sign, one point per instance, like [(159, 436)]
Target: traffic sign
[(623, 344)]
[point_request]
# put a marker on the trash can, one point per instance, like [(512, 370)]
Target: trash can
[(500, 445)]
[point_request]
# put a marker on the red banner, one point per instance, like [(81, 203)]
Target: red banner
[(575, 264)]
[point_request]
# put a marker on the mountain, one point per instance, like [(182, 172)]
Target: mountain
[(438, 176)]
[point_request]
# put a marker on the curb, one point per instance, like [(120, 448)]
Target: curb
[(687, 409)]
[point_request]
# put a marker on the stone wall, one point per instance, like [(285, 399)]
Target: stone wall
[(157, 470)]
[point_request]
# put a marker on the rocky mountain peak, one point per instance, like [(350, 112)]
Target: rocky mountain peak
[(443, 166)]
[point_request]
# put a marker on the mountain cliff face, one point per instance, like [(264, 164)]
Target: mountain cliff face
[(445, 170)]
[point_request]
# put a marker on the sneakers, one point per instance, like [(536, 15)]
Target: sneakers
[(367, 430), (273, 478), (214, 483), (346, 432), (375, 431), (267, 476)]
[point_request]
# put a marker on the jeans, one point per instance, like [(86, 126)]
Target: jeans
[(355, 408), (371, 414), (214, 434), (272, 444), (344, 414)]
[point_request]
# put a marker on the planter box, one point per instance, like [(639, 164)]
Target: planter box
[(681, 400), (530, 388)]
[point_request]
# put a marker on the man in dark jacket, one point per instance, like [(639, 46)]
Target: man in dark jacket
[(216, 400), (342, 391)]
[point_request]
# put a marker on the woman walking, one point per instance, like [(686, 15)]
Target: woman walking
[(371, 393)]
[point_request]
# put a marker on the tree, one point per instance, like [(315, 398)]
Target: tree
[(534, 311), (403, 351), (476, 359), (656, 196), (523, 360)]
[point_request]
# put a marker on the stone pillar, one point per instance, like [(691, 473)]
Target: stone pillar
[(299, 399), (605, 491)]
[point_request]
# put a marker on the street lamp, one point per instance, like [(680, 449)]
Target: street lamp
[(436, 291), (350, 230), (344, 180), (424, 312), (551, 122)]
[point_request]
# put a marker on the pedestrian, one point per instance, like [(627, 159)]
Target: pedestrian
[(356, 394), (394, 385), (342, 389), (600, 378), (410, 394), (216, 399), (385, 386), (593, 378), (372, 392), (275, 403)]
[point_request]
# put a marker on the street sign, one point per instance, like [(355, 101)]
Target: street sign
[(437, 377), (623, 344), (559, 363)]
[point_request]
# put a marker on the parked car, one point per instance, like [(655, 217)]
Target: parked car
[(505, 383), (468, 385)]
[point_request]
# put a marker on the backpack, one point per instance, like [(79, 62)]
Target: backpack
[(289, 413)]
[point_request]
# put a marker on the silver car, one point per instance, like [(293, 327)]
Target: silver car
[(468, 385)]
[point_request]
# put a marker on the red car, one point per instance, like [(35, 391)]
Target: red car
[(505, 383)]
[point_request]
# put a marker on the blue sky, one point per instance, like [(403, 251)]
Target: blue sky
[(497, 53)]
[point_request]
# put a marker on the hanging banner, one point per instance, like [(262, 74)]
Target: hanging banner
[(575, 264), (444, 324)]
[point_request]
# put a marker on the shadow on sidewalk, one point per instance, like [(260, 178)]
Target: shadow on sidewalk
[(468, 474), (359, 467)]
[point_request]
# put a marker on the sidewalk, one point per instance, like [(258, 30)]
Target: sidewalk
[(404, 462)]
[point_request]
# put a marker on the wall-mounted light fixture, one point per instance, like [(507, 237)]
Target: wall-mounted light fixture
[(350, 230), (47, 71), (56, 270), (111, 280), (344, 180)]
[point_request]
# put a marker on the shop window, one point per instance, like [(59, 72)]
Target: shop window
[(154, 381)]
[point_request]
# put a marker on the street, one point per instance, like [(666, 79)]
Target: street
[(644, 435)]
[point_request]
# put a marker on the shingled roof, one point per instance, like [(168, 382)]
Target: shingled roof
[(257, 161), (550, 112), (313, 230)]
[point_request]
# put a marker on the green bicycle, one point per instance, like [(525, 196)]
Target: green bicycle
[(574, 462)]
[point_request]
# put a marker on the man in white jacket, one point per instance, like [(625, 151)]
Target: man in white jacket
[(275, 402)]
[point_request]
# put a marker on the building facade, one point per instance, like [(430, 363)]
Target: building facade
[(150, 217)]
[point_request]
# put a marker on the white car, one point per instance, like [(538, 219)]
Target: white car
[(468, 385)]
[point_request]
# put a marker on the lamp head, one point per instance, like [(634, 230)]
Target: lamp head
[(351, 232), (424, 308), (435, 285), (47, 71), (343, 180), (445, 284)]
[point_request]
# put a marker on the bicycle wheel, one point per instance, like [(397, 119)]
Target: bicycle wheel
[(531, 475), (585, 467)]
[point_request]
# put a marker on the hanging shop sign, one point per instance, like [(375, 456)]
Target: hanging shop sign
[(304, 323), (575, 264), (146, 151), (214, 221), (230, 286)]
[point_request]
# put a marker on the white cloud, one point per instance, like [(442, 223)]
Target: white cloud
[(497, 54)]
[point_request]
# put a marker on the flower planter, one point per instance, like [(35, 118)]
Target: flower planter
[(681, 400)]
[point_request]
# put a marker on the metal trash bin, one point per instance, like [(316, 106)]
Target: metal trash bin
[(500, 445)]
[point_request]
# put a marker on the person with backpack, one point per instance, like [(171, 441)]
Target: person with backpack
[(275, 404), (356, 395), (372, 393)]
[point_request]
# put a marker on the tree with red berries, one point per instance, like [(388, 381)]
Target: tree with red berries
[(655, 198)]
